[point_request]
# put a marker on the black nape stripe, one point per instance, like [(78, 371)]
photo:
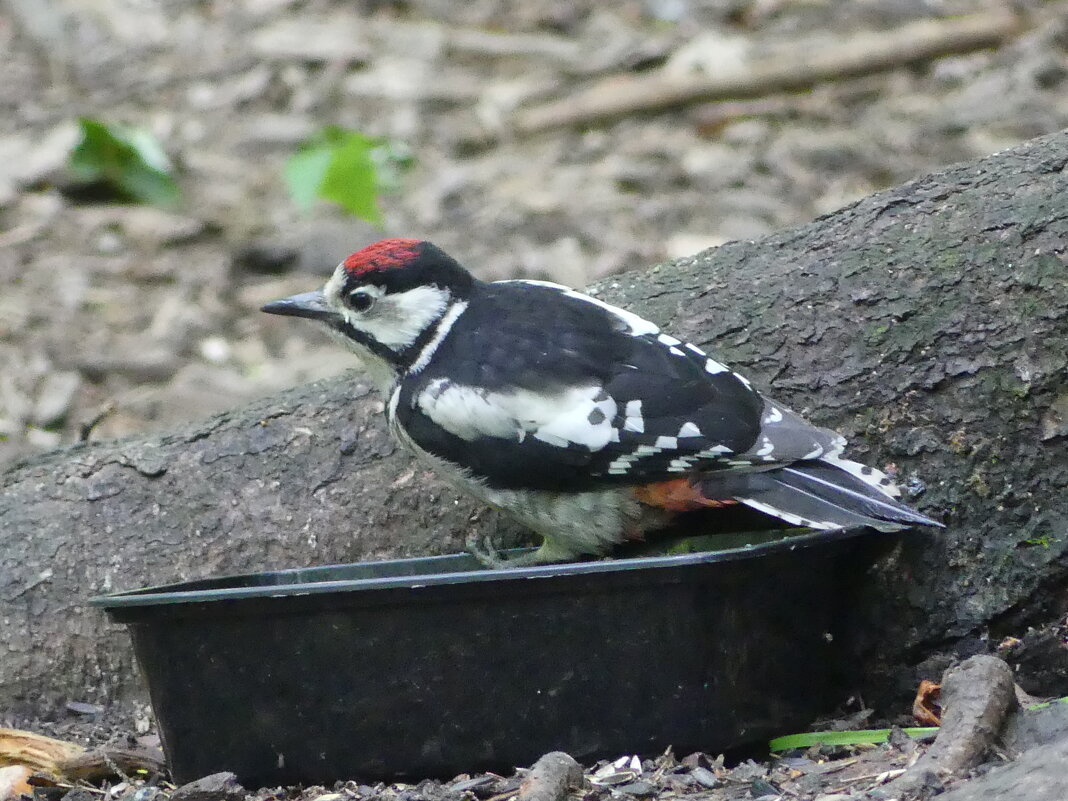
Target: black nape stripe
[(405, 358), (365, 340)]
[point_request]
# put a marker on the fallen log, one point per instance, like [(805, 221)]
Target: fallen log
[(927, 323)]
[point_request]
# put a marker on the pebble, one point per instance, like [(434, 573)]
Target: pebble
[(639, 788), (705, 777), (215, 350), (216, 787)]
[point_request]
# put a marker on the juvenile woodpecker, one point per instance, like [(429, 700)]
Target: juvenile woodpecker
[(581, 420)]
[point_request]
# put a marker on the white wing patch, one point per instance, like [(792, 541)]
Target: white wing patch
[(634, 420), (712, 367), (579, 415), (793, 519), (869, 475), (689, 430)]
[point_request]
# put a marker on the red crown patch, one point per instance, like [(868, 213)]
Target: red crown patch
[(382, 255)]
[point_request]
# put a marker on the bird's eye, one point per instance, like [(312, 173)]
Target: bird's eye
[(361, 301)]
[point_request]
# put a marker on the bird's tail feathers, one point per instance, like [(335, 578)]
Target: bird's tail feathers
[(825, 494)]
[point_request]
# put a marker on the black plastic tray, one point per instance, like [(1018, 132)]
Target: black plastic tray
[(433, 667)]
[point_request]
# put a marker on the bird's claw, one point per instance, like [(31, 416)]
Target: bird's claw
[(481, 547)]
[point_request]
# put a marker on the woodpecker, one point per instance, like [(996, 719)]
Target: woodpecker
[(581, 420)]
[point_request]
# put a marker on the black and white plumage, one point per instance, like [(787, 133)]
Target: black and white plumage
[(580, 419)]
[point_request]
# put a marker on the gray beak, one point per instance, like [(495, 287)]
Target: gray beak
[(308, 304)]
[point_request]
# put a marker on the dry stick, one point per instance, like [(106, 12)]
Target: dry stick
[(550, 778), (862, 54), (976, 697), (101, 763)]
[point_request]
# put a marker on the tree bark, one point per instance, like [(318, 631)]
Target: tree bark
[(928, 323)]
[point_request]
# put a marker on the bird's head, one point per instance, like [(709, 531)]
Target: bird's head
[(385, 301)]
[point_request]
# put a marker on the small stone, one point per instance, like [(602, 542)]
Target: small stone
[(215, 350), (613, 777), (155, 228), (705, 777), (472, 784), (83, 708), (761, 788), (216, 787), (638, 788), (109, 243)]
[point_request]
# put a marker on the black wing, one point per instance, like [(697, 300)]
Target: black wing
[(540, 387)]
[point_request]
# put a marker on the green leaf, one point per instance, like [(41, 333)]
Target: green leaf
[(1044, 704), (861, 737), (350, 179), (347, 168), (864, 736), (129, 160), (304, 173)]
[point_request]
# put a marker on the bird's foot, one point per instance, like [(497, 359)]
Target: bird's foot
[(481, 547)]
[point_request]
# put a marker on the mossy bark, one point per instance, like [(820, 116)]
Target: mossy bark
[(928, 323)]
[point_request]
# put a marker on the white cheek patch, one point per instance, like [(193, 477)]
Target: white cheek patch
[(332, 288), (577, 416), (398, 319)]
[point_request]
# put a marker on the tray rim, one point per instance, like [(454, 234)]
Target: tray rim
[(172, 593)]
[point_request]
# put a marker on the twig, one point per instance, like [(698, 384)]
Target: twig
[(550, 778), (85, 430), (862, 54), (100, 763), (880, 778)]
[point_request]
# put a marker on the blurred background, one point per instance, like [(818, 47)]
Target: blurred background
[(155, 159)]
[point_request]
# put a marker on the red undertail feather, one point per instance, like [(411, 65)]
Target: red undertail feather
[(676, 495)]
